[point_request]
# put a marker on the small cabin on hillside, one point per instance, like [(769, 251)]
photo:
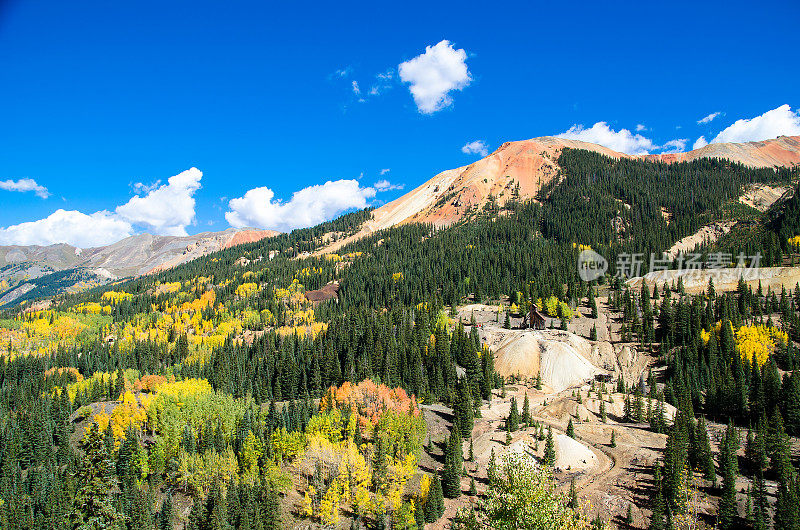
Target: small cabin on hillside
[(534, 319)]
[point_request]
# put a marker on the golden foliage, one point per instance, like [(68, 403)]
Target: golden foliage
[(115, 297), (759, 342), (246, 290)]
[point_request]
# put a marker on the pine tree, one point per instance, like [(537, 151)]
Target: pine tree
[(434, 504), (119, 384), (573, 495), (570, 429), (526, 411), (613, 438), (790, 403), (513, 416), (549, 449), (657, 521), (705, 459), (453, 463), (760, 505), (728, 512), (93, 507), (491, 469), (463, 408)]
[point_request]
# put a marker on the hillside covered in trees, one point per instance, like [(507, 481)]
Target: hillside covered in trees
[(222, 394)]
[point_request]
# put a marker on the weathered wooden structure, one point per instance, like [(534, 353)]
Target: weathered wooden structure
[(534, 319)]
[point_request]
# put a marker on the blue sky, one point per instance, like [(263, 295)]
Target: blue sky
[(97, 97)]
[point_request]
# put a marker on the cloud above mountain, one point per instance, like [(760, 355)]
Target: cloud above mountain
[(309, 206), (433, 75), (622, 140), (165, 210), (68, 226), (478, 147), (780, 121)]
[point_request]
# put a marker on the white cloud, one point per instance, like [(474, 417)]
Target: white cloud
[(72, 227), (23, 185), (384, 83), (356, 90), (623, 140), (385, 185), (307, 207), (700, 142), (600, 133), (709, 118), (478, 147), (164, 209), (167, 209), (678, 145), (385, 171), (434, 74), (773, 123), (342, 72), (640, 127)]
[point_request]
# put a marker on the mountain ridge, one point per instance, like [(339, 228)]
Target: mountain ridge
[(21, 266), (516, 169), (523, 167)]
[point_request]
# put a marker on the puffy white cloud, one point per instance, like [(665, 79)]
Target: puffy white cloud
[(640, 127), (356, 89), (678, 145), (773, 123), (700, 142), (23, 185), (309, 206), (478, 147), (68, 226), (385, 171), (434, 74), (623, 140), (167, 209), (164, 209), (709, 118), (385, 185)]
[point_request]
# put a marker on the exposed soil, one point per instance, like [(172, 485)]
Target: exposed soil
[(328, 292)]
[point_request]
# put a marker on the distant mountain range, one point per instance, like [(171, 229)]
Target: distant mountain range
[(515, 170), (28, 272)]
